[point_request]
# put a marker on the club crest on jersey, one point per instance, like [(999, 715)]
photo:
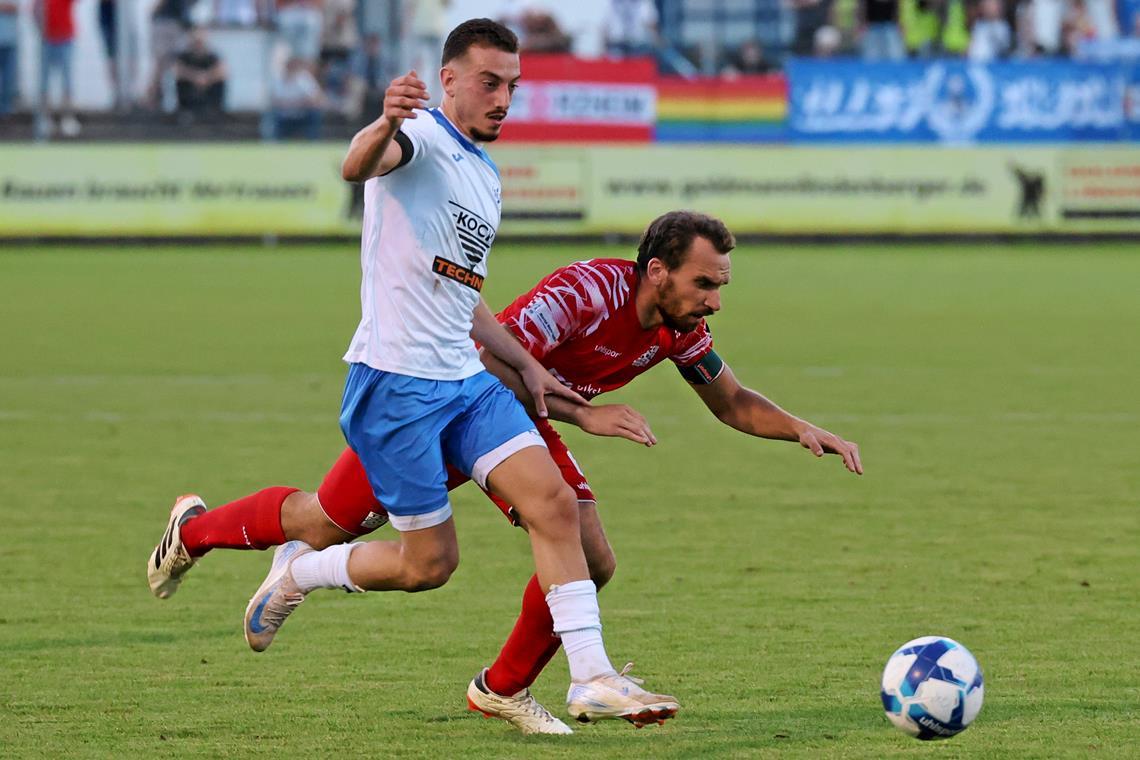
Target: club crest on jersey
[(645, 358), (475, 233)]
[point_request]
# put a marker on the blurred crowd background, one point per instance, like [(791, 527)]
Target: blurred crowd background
[(307, 69)]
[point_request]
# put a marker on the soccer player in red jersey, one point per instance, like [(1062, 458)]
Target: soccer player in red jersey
[(595, 325)]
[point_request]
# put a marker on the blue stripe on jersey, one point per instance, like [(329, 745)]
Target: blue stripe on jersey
[(467, 145)]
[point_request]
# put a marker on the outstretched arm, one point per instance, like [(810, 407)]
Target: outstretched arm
[(614, 420), (750, 412), (498, 340)]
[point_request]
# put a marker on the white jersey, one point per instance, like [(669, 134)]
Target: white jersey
[(428, 226)]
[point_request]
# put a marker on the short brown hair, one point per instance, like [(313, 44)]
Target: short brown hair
[(478, 31), (669, 236)]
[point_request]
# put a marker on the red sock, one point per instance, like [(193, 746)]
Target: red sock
[(528, 649), (252, 522)]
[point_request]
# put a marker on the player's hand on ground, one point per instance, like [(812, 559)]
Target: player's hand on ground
[(618, 421), (819, 442), (403, 96), (540, 383)]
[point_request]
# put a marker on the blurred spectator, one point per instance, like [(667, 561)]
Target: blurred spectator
[(934, 27), (299, 24), (748, 59), (427, 24), (297, 103), (109, 32), (200, 76), (809, 17), (541, 34), (1076, 27), (827, 42), (1047, 18), (57, 30), (9, 47), (881, 38), (1024, 43), (990, 38), (509, 13), (237, 12), (1087, 21), (340, 37), (169, 22), (631, 28), (1128, 12), (339, 32), (372, 67), (1101, 16)]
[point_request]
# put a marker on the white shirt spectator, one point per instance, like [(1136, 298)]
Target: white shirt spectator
[(296, 91), (989, 40), (1047, 17), (631, 22), (1102, 15)]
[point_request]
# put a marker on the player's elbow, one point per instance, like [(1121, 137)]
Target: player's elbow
[(350, 172)]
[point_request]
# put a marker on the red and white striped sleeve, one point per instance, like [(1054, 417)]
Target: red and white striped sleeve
[(693, 346), (571, 302)]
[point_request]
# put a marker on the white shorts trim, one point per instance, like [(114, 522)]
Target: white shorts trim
[(404, 523), (496, 456)]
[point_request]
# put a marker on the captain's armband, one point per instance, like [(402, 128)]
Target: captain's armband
[(703, 372)]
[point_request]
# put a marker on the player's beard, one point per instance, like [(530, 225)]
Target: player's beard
[(484, 137), (487, 136), (669, 308)]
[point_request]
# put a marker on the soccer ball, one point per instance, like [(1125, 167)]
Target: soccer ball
[(932, 688)]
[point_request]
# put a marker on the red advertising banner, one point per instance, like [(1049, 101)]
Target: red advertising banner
[(566, 99)]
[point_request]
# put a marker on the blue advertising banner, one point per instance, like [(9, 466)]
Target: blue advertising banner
[(956, 102)]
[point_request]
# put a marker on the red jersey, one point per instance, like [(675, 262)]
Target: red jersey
[(581, 322), (58, 25)]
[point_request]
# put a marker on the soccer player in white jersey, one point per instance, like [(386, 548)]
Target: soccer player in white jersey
[(417, 394)]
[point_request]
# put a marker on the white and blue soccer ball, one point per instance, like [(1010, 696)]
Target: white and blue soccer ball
[(932, 688)]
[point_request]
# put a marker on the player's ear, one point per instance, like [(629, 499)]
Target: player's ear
[(656, 271), (447, 79)]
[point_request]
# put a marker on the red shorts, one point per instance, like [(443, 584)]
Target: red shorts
[(347, 499)]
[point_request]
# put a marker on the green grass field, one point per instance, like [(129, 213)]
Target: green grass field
[(993, 392)]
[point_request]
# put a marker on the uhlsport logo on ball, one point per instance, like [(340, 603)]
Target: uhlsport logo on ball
[(932, 688)]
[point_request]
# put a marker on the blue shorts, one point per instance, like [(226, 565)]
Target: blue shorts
[(405, 428)]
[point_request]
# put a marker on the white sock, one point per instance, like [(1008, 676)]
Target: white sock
[(574, 607), (327, 568)]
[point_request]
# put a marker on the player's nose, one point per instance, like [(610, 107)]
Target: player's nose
[(712, 301)]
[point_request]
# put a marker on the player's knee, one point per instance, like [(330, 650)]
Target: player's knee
[(431, 573), (602, 564), (302, 519), (321, 535), (553, 510)]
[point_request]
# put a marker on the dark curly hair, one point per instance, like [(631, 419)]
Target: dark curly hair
[(478, 31), (669, 236)]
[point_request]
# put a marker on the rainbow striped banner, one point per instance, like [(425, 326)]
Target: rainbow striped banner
[(742, 109)]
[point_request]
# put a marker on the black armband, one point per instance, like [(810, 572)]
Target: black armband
[(406, 150), (703, 372)]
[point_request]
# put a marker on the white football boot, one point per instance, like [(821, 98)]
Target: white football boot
[(276, 598), (618, 695), (170, 561), (522, 710)]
